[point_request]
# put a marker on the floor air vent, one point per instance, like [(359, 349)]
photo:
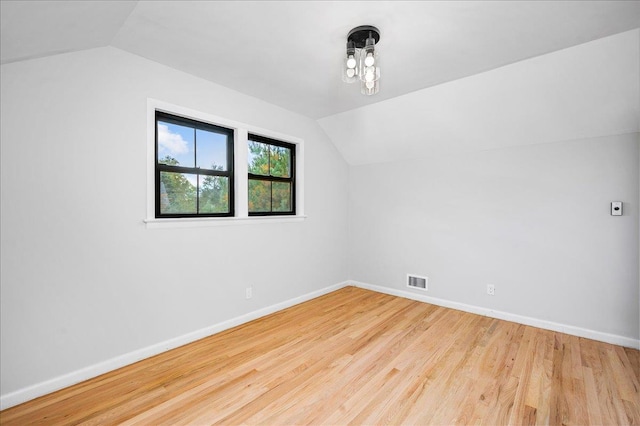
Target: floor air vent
[(415, 281)]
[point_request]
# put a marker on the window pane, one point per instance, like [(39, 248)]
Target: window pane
[(258, 158), (280, 161), (211, 150), (259, 196), (214, 194), (281, 197), (175, 144), (177, 192)]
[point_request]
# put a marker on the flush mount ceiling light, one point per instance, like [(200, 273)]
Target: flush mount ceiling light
[(361, 62)]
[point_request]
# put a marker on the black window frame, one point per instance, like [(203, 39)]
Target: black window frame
[(291, 179), (229, 173)]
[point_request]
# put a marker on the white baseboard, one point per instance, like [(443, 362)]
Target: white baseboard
[(547, 325), (39, 389)]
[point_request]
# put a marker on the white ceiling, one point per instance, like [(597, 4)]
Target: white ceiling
[(288, 53)]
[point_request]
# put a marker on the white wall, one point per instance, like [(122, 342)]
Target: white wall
[(532, 220), (83, 280)]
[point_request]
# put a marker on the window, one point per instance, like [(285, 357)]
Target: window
[(271, 172), (204, 170), (193, 168)]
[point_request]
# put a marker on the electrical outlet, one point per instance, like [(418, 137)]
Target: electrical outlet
[(491, 290), (616, 208), (249, 292)]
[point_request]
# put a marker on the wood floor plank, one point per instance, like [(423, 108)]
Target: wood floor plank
[(543, 409), (595, 416), (359, 357), (634, 361), (522, 370)]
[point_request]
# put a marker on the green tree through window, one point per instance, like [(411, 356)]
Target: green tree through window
[(194, 168), (271, 167)]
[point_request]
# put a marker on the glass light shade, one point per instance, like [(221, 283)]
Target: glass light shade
[(349, 74), (369, 62), (350, 64)]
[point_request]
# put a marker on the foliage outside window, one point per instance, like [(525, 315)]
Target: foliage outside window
[(271, 166), (194, 168)]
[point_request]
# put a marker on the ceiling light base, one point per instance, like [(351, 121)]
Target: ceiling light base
[(359, 35)]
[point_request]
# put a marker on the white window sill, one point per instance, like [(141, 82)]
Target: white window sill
[(202, 222)]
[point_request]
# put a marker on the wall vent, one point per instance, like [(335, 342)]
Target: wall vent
[(415, 281)]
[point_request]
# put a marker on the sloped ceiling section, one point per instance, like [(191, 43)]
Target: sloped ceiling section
[(289, 53), (32, 29), (590, 90), (456, 76)]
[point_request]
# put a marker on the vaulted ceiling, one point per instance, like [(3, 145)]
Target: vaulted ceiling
[(457, 76), (289, 53)]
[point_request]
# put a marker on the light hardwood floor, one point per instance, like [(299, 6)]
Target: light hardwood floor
[(359, 357)]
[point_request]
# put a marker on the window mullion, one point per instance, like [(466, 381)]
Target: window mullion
[(241, 159), (270, 181), (192, 170), (195, 165), (268, 160), (270, 196), (195, 148), (270, 178), (198, 194)]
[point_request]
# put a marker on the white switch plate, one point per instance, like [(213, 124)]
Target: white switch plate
[(616, 208)]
